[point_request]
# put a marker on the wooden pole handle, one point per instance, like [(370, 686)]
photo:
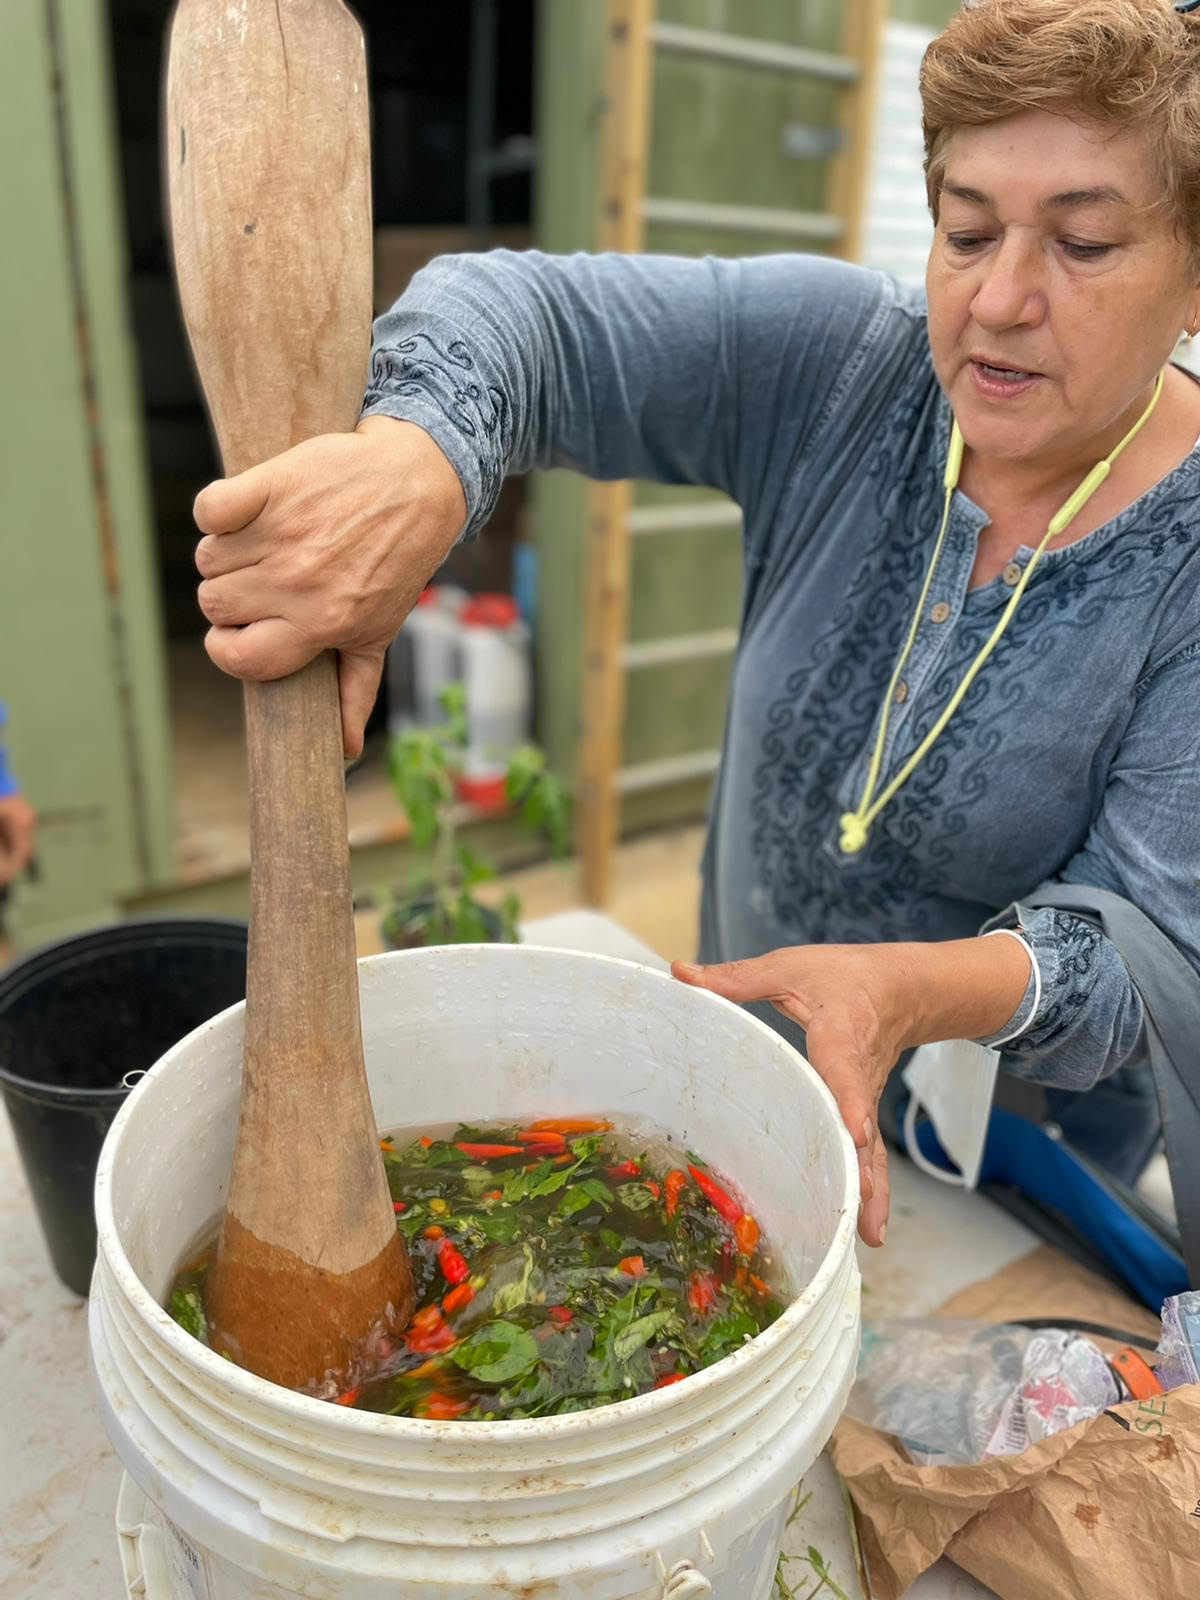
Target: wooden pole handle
[(268, 171)]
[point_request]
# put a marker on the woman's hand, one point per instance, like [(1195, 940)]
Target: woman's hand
[(861, 1006), (325, 547)]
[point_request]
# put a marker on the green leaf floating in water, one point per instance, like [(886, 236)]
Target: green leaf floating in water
[(187, 1307), (574, 1200), (726, 1334), (640, 1333), (596, 1189), (497, 1352), (516, 1290)]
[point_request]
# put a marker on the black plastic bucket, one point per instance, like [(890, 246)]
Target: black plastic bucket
[(75, 1019)]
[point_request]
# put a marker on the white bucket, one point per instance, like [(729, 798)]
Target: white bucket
[(260, 1494)]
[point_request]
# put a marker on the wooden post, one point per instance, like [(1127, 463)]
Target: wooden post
[(850, 169), (624, 146)]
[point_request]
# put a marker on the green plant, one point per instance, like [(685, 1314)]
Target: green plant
[(812, 1559), (423, 763)]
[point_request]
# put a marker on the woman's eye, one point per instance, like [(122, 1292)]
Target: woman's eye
[(964, 243), (1085, 252)]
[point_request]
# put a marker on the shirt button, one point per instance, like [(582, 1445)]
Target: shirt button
[(940, 612), (1011, 574), (901, 694)]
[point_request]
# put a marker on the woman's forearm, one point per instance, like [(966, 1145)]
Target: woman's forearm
[(959, 988)]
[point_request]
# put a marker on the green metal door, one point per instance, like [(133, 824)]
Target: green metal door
[(81, 666)]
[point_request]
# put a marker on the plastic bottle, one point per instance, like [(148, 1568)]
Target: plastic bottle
[(435, 635), (496, 673)]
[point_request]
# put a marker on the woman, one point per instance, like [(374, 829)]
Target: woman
[(845, 889)]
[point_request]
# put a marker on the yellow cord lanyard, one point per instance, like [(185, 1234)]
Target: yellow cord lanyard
[(856, 825)]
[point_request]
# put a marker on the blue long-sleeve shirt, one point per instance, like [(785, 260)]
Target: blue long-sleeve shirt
[(804, 389), (8, 783)]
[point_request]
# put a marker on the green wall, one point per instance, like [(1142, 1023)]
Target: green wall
[(80, 641)]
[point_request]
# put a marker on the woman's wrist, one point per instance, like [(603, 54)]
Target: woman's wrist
[(960, 988), (408, 449)]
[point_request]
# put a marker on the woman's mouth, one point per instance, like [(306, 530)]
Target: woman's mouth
[(1001, 382)]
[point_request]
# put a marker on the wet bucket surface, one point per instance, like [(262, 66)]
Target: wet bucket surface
[(256, 1493), (76, 1018)]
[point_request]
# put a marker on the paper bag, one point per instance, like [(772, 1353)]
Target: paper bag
[(1109, 1510)]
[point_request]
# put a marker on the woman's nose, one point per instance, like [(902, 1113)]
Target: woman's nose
[(1011, 289)]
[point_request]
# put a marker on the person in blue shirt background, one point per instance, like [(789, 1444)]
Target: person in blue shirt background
[(18, 822)]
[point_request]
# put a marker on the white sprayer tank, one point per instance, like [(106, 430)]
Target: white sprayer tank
[(244, 1491)]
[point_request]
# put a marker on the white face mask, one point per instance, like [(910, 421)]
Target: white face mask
[(953, 1082)]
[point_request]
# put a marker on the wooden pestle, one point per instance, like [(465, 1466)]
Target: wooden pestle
[(268, 169)]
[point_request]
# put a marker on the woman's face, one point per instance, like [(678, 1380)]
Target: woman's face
[(1057, 284)]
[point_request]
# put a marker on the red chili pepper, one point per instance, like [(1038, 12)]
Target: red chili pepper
[(632, 1267), (745, 1232), (759, 1287), (426, 1320), (539, 1152), (570, 1125), (453, 1263), (675, 1183), (724, 1203), (626, 1169), (424, 1142), (424, 1344), (742, 1276), (398, 1206), (433, 1232), (458, 1298), (350, 1396), (490, 1152), (494, 1194), (546, 1136), (386, 1144), (653, 1188), (669, 1378), (702, 1292), (561, 1161), (438, 1407), (559, 1315)]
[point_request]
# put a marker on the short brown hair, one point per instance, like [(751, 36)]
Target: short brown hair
[(1133, 64)]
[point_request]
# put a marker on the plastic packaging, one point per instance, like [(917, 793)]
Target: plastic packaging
[(1179, 1345), (260, 1494), (956, 1392)]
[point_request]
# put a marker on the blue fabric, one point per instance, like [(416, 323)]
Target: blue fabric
[(8, 784), (1024, 1157), (803, 388)]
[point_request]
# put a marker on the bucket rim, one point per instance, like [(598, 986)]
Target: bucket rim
[(35, 966), (248, 1386)]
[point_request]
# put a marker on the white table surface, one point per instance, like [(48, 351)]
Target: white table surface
[(59, 1476)]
